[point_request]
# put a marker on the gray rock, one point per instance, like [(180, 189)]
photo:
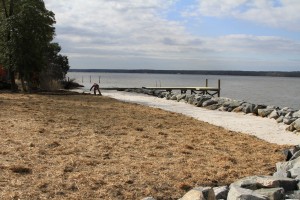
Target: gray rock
[(209, 102), (234, 104), (201, 100), (221, 192), (256, 107), (295, 172), (238, 193), (294, 149), (188, 97), (274, 115), (289, 120), (180, 97), (264, 112), (191, 99), (247, 183), (238, 109), (293, 195), (280, 119), (200, 193), (174, 97), (213, 107), (258, 182), (282, 174), (290, 128), (296, 124), (295, 155), (157, 92), (248, 107), (168, 96), (289, 114), (296, 114), (272, 193)]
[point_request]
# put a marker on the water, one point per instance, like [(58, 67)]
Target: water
[(278, 91)]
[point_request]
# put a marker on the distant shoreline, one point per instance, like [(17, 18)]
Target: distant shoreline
[(198, 72)]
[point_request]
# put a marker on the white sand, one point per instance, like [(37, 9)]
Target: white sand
[(263, 128)]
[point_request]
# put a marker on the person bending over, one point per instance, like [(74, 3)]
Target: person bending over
[(96, 88)]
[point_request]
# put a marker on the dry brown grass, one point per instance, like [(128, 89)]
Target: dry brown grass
[(88, 147)]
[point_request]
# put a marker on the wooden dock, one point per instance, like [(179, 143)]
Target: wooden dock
[(212, 91)]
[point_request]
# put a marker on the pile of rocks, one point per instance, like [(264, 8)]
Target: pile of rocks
[(284, 184), (285, 115)]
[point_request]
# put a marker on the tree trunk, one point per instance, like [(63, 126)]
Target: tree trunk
[(23, 84), (14, 87)]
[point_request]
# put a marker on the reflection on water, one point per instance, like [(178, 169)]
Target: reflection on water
[(278, 91)]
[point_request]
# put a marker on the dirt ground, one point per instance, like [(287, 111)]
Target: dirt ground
[(92, 147)]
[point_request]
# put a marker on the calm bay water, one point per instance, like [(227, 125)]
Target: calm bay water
[(278, 91)]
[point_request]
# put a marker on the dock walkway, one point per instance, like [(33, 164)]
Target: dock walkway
[(212, 91)]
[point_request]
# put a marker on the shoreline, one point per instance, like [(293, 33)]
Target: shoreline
[(263, 128)]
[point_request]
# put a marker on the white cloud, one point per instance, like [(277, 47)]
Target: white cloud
[(274, 13), (135, 33)]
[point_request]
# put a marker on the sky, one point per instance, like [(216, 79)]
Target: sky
[(248, 35)]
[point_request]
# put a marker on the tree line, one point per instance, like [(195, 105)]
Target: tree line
[(27, 50), (198, 72)]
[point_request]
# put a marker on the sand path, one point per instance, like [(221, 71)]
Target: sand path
[(263, 128)]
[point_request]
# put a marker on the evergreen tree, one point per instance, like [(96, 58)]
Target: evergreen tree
[(26, 32)]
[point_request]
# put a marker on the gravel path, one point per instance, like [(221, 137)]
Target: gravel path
[(263, 128)]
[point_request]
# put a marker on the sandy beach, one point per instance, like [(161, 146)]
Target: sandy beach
[(90, 147), (263, 128)]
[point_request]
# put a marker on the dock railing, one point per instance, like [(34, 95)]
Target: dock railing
[(212, 91)]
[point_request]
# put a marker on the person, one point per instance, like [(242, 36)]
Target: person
[(96, 88)]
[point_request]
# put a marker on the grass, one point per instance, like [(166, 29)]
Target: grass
[(91, 147)]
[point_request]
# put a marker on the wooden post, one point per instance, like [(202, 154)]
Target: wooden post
[(99, 78), (82, 79), (90, 79), (219, 87), (206, 83), (159, 83)]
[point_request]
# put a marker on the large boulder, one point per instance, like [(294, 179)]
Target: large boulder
[(236, 193), (221, 192), (259, 182), (191, 99), (274, 114), (293, 195), (180, 97), (257, 107), (231, 105), (209, 102), (272, 193), (264, 112), (296, 114), (248, 108), (296, 124), (202, 99), (200, 193), (282, 174), (280, 119), (173, 97), (295, 172), (289, 120)]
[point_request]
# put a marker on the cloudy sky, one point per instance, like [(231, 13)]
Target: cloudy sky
[(179, 34)]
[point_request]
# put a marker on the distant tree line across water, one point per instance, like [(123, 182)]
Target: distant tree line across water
[(199, 72)]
